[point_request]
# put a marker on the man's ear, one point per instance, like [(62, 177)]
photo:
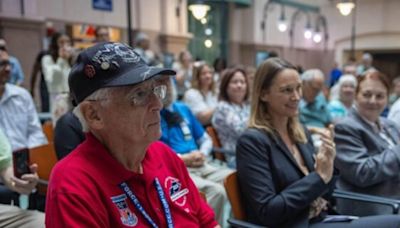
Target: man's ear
[(90, 112)]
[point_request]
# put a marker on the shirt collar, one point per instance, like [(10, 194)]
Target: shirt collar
[(376, 126), (9, 91), (100, 156)]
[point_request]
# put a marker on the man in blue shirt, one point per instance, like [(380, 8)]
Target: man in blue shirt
[(18, 117), (313, 107), (16, 74), (186, 136)]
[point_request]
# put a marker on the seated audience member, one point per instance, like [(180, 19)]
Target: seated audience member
[(314, 112), (394, 113), (68, 134), (365, 65), (368, 150), (16, 73), (232, 112), (120, 176), (335, 75), (219, 66), (283, 184), (184, 69), (395, 92), (18, 117), (142, 47), (102, 34), (185, 135), (339, 108), (11, 216), (202, 97)]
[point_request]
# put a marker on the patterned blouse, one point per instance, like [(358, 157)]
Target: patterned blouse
[(230, 120)]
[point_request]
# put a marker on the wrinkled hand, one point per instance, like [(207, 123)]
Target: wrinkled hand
[(324, 161), (194, 159), (27, 183), (317, 206)]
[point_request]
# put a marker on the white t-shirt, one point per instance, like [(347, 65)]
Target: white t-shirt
[(197, 103)]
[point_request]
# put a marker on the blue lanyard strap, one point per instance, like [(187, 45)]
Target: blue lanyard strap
[(161, 196), (140, 208)]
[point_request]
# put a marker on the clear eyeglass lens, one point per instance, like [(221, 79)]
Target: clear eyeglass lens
[(142, 97), (160, 91)]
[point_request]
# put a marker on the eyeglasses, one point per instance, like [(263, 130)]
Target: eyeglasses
[(142, 96), (5, 63)]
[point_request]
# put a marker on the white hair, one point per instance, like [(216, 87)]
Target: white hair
[(347, 78), (367, 57), (98, 95), (312, 74)]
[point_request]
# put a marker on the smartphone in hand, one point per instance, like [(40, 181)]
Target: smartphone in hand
[(21, 162)]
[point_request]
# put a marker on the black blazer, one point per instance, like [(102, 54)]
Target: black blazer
[(275, 191)]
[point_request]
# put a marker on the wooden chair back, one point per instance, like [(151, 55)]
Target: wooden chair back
[(45, 157), (216, 143), (233, 192), (48, 130)]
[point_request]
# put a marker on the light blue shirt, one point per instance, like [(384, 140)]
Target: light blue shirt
[(19, 120), (337, 110), (16, 74), (175, 137), (5, 152), (315, 114)]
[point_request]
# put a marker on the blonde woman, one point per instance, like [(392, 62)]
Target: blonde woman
[(202, 97)]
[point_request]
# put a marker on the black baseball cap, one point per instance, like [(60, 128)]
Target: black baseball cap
[(109, 65)]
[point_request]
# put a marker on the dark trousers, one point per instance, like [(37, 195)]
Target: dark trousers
[(44, 95), (36, 201)]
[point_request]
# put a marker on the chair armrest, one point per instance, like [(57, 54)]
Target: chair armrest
[(242, 224), (395, 204), (221, 150), (43, 182)]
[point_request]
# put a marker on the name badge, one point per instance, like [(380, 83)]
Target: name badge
[(186, 131)]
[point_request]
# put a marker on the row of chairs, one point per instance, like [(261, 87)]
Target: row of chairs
[(234, 195), (45, 157)]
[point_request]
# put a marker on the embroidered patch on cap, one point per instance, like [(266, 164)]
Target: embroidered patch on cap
[(90, 71), (105, 65)]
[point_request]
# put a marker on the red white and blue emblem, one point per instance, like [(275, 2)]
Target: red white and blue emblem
[(127, 217), (175, 191)]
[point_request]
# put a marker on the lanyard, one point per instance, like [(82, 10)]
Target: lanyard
[(140, 208)]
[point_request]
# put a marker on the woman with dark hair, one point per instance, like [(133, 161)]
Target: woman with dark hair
[(285, 184), (56, 67), (202, 97), (232, 112), (368, 149)]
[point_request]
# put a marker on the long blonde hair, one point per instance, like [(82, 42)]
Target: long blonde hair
[(196, 84), (259, 113)]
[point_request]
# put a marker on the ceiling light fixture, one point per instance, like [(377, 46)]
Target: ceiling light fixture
[(345, 7), (199, 10)]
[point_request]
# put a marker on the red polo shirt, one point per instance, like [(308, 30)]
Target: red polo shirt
[(84, 190)]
